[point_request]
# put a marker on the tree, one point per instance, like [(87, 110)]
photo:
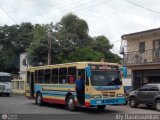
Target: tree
[(70, 42), (15, 39)]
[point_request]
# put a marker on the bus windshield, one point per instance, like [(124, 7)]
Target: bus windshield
[(105, 78), (5, 78)]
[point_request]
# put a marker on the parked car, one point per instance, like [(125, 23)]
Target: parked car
[(127, 92), (148, 94)]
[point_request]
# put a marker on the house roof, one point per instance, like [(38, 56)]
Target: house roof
[(140, 33)]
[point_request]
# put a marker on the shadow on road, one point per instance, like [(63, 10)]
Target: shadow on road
[(80, 109)]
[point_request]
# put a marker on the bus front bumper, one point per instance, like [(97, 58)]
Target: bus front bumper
[(109, 101)]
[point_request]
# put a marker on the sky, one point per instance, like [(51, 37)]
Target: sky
[(112, 18)]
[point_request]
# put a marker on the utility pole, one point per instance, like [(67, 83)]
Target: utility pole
[(49, 48)]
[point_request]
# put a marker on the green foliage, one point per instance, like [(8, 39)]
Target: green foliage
[(86, 54), (70, 42)]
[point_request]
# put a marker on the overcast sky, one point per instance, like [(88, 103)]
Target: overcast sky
[(111, 18)]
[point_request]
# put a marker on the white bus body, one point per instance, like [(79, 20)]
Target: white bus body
[(5, 83)]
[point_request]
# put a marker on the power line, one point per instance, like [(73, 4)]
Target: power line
[(140, 6), (63, 9), (9, 15)]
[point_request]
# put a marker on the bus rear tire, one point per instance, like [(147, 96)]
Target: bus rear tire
[(39, 99), (70, 103), (101, 107)]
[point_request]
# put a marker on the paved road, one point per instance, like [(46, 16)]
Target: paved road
[(22, 105)]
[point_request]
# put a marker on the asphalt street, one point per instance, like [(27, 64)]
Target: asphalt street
[(22, 106)]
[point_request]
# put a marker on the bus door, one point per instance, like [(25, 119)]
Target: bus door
[(32, 84), (81, 72)]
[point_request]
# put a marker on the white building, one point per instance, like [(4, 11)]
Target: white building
[(23, 66)]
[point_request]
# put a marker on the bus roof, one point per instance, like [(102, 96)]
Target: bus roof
[(4, 74), (80, 64)]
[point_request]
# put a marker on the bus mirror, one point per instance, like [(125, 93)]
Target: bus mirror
[(123, 71), (88, 71)]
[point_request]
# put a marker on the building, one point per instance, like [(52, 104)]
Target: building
[(23, 66), (18, 84), (141, 54)]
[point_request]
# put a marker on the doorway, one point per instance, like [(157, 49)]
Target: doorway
[(81, 94), (32, 84)]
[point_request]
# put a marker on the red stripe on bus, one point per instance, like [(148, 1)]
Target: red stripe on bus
[(58, 101), (87, 104), (51, 100)]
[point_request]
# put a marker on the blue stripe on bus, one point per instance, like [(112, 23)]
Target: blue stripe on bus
[(57, 92), (87, 96), (59, 86), (107, 101), (107, 87)]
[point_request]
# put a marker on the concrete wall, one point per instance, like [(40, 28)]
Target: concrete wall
[(133, 43), (23, 66)]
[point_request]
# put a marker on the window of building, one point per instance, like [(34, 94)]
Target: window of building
[(40, 76), (47, 76), (71, 75), (54, 78), (142, 47), (63, 75)]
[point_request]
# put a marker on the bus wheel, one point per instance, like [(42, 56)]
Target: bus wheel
[(101, 107), (71, 103), (39, 100)]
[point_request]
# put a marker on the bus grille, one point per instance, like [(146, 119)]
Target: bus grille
[(2, 87), (108, 94)]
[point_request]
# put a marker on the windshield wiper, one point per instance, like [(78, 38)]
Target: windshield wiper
[(114, 84)]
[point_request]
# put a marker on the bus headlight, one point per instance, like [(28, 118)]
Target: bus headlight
[(120, 95), (96, 96)]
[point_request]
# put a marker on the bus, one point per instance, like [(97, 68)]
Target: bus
[(56, 84), (5, 83)]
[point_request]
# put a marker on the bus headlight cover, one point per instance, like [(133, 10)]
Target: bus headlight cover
[(120, 95), (96, 96)]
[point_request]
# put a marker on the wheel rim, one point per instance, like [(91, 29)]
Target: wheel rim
[(70, 103), (132, 103), (38, 99), (158, 106)]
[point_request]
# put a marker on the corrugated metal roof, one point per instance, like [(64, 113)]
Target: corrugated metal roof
[(141, 32)]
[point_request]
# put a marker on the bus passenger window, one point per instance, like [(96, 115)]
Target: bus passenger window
[(47, 76), (28, 76), (40, 76), (62, 75), (71, 75), (54, 78), (36, 76)]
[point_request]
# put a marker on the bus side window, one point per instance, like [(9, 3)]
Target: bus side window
[(28, 77), (54, 78), (47, 76), (71, 75), (62, 75), (87, 81), (40, 76), (36, 76)]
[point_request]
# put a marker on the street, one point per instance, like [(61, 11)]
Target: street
[(21, 108), (23, 105)]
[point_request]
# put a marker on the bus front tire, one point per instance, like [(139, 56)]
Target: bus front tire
[(39, 99), (101, 107), (70, 104)]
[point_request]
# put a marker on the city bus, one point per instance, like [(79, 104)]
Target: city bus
[(5, 83), (56, 84)]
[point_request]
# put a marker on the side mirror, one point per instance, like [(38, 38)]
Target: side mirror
[(123, 71), (88, 71)]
